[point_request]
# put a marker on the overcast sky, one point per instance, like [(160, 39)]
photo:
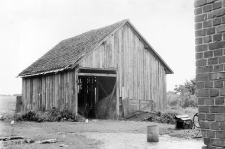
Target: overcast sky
[(29, 28)]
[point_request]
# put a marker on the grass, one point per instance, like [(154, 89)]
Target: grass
[(7, 106)]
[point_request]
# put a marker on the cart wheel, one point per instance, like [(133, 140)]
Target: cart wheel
[(196, 121)]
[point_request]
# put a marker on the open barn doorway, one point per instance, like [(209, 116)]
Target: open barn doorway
[(96, 93)]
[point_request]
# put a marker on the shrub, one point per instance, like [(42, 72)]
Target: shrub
[(166, 118), (29, 116), (187, 93), (50, 116)]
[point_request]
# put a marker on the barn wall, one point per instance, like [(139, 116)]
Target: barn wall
[(47, 91), (142, 78)]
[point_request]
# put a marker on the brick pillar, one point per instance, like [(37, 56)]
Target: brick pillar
[(210, 70)]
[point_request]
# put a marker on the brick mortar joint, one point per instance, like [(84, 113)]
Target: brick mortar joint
[(207, 2), (210, 18)]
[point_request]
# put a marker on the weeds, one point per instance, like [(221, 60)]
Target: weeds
[(54, 115), (166, 116)]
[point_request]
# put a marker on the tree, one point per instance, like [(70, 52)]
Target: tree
[(187, 93), (173, 99)]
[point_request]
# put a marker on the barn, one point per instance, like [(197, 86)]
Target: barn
[(108, 72)]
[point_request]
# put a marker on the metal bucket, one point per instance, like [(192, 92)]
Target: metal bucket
[(153, 133)]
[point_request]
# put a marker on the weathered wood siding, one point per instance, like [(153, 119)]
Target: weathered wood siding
[(142, 77), (47, 91)]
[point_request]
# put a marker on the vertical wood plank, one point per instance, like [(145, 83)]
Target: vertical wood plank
[(120, 61), (32, 93), (117, 96), (75, 104), (52, 90), (23, 94), (42, 93), (56, 89), (60, 91), (28, 94), (70, 93), (113, 51), (33, 84), (65, 89), (48, 93)]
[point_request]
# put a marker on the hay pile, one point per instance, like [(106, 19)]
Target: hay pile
[(106, 107)]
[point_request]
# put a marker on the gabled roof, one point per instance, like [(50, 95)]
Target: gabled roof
[(68, 52)]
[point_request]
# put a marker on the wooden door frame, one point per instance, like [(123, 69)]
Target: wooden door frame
[(77, 74)]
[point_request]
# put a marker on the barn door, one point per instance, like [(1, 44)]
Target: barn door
[(93, 87)]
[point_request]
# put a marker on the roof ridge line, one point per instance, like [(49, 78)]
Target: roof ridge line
[(103, 40)]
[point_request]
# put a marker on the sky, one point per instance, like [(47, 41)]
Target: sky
[(30, 28)]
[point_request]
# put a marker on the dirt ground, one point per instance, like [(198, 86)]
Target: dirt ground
[(97, 134), (85, 135)]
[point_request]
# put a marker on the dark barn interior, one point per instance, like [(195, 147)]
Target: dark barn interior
[(94, 91)]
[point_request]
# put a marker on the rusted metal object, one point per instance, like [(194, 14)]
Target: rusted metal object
[(183, 122)]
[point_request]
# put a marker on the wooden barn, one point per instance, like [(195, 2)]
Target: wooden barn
[(108, 72)]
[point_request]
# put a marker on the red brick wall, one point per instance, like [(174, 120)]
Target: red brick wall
[(210, 69)]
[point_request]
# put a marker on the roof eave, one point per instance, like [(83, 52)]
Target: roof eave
[(46, 72)]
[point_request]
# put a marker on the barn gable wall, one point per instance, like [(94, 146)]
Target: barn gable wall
[(142, 78)]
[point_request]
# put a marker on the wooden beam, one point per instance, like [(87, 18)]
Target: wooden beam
[(104, 69), (76, 91), (97, 74), (117, 96)]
